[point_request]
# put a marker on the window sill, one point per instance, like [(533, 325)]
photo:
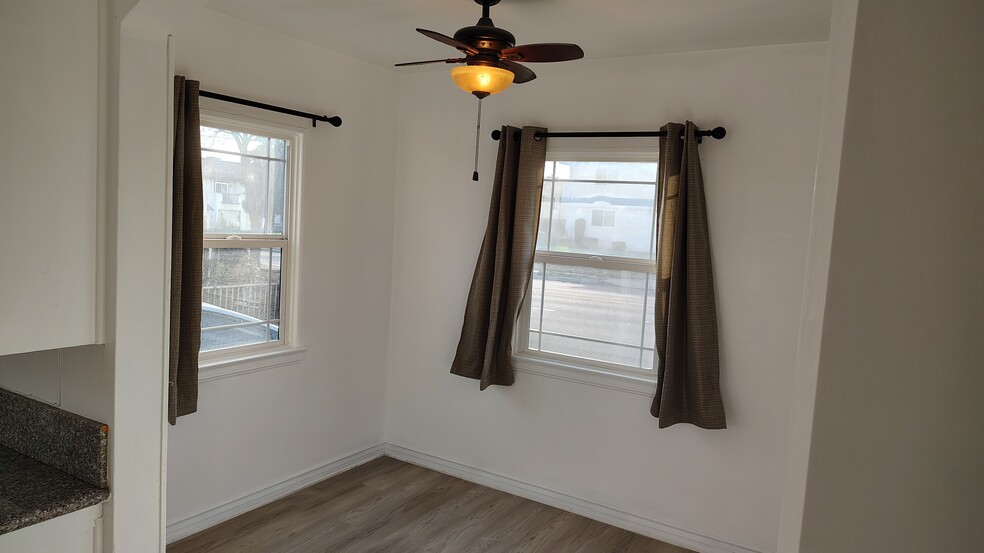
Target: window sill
[(226, 367), (581, 374)]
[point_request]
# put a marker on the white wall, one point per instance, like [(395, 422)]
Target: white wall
[(262, 428), (804, 390), (597, 444), (897, 452)]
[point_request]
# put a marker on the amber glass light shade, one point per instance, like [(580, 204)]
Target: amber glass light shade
[(482, 80)]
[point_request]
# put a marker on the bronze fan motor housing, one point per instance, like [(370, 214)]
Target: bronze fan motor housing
[(484, 44), (488, 46)]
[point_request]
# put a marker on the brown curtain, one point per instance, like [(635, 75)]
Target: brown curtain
[(505, 262), (187, 221), (686, 317)]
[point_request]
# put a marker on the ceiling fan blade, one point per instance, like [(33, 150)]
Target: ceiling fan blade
[(449, 41), (523, 73), (452, 60), (543, 52)]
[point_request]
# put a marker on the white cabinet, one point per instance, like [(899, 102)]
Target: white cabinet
[(49, 90), (78, 532)]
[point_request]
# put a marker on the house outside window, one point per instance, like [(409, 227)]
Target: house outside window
[(249, 184), (591, 302)]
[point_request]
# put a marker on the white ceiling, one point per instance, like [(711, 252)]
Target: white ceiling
[(381, 32)]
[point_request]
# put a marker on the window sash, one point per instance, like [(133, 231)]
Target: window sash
[(247, 243), (286, 241), (292, 142), (285, 308), (596, 261), (521, 339), (242, 154)]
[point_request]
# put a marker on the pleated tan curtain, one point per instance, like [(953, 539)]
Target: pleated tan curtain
[(187, 222), (686, 317), (505, 262)]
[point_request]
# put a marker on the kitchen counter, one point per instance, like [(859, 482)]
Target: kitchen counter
[(52, 462), (33, 492)]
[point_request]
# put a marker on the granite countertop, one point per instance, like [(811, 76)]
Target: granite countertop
[(52, 462), (33, 492)]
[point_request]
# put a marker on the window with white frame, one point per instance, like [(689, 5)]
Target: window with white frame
[(591, 302), (249, 183)]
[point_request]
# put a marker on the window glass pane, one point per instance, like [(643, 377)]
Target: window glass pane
[(534, 340), (275, 204), (243, 194), (278, 148), (585, 349), (603, 306), (536, 296), (543, 230), (647, 359), (225, 140), (606, 170), (602, 219), (649, 338), (240, 297)]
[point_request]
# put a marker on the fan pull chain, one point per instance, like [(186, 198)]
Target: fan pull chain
[(478, 137)]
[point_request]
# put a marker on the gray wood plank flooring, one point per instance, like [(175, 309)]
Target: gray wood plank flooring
[(391, 506)]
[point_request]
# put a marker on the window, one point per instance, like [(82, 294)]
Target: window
[(248, 179), (603, 218), (591, 301)]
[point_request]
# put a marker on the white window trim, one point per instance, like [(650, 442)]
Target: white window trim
[(567, 368), (245, 362), (581, 373), (223, 363)]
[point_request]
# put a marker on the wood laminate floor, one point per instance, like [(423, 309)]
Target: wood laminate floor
[(391, 506)]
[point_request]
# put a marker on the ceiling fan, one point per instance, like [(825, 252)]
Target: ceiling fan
[(491, 61)]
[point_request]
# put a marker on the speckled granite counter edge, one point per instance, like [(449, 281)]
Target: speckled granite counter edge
[(32, 492), (52, 462), (70, 505), (71, 443)]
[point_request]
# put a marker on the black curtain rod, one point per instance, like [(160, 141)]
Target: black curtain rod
[(717, 133), (335, 121)]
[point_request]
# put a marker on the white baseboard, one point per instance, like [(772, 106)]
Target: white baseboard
[(593, 510), (220, 513), (603, 513)]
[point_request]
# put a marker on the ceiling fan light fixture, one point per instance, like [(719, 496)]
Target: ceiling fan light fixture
[(482, 80)]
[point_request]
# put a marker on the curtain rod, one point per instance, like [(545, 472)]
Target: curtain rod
[(717, 133), (335, 121)]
